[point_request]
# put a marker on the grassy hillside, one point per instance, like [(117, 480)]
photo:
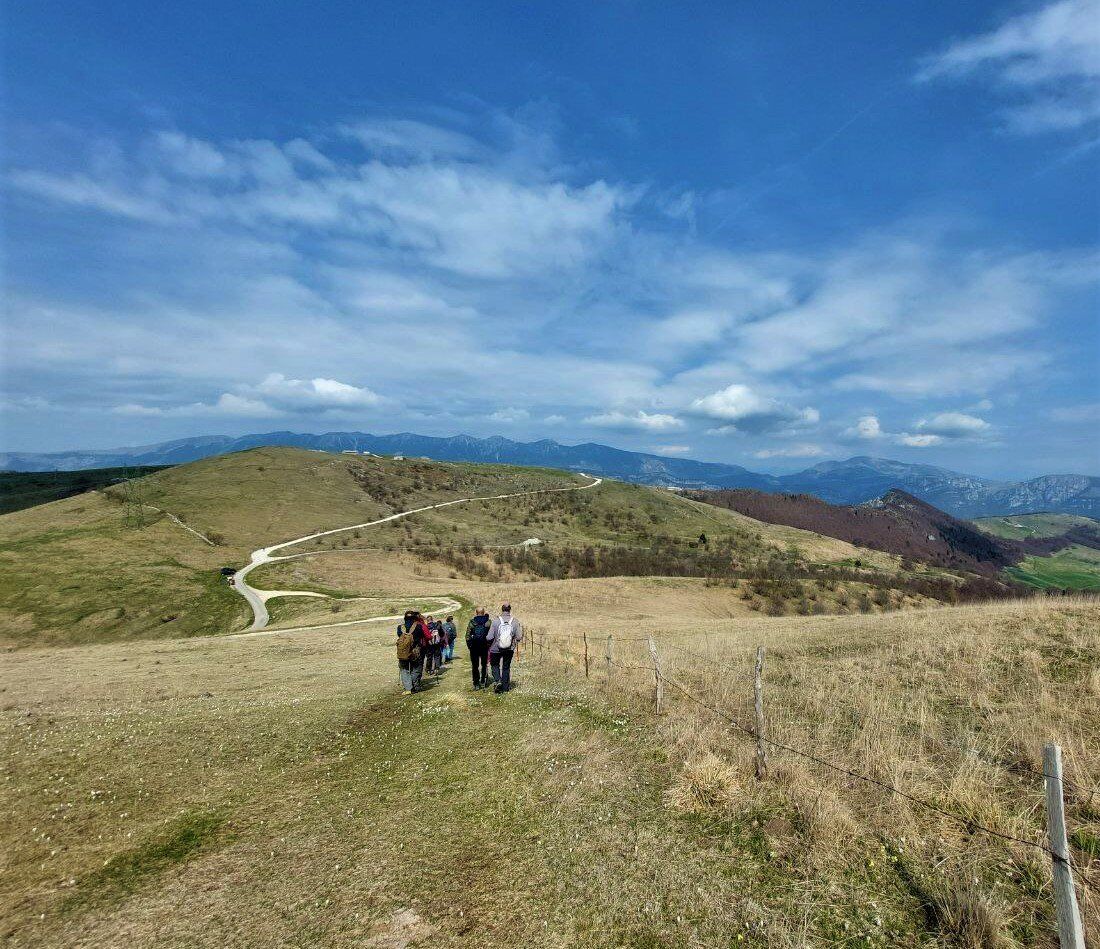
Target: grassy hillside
[(1023, 526), (113, 565), (95, 567), (23, 489), (1075, 568), (79, 571), (277, 791)]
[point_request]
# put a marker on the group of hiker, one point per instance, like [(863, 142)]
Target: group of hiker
[(426, 646)]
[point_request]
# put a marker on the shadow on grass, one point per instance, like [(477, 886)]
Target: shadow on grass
[(123, 874)]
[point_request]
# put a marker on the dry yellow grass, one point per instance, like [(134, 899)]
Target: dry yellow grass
[(278, 791), (951, 705)]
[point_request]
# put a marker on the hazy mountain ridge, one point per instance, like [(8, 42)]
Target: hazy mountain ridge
[(853, 481)]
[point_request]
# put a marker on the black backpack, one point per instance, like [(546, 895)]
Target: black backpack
[(476, 632)]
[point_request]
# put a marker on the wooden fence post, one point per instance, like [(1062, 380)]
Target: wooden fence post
[(658, 683), (758, 695), (584, 633), (607, 663), (1070, 933)]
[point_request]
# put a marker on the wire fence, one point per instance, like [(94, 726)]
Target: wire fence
[(716, 685)]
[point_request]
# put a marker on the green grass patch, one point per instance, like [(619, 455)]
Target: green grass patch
[(125, 873), (1075, 568), (1023, 526)]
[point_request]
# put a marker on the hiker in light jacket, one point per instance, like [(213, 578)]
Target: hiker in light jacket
[(477, 641), (505, 635)]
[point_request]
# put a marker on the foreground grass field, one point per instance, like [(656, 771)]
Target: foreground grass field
[(277, 790)]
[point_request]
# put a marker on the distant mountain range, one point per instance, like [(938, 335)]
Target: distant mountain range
[(853, 481)]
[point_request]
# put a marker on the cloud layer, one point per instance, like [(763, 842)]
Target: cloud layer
[(392, 272)]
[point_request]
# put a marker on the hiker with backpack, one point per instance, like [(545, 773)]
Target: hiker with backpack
[(411, 641), (435, 647), (505, 634), (477, 641), (451, 636)]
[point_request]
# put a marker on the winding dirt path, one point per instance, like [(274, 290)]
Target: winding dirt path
[(257, 599)]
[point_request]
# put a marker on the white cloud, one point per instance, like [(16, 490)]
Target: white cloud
[(83, 191), (275, 395), (867, 427), (191, 157), (555, 420), (930, 431), (510, 415), (226, 404), (748, 411), (643, 421), (792, 451), (26, 403), (471, 217), (953, 425), (671, 449), (917, 441), (1049, 57), (313, 394), (407, 139)]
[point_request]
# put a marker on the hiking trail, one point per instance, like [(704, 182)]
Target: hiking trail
[(257, 599)]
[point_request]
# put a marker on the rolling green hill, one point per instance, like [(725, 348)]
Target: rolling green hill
[(143, 560), (1023, 526), (112, 564), (1074, 567)]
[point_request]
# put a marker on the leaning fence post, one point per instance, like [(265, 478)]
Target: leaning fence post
[(758, 695), (1070, 934), (658, 684), (584, 633)]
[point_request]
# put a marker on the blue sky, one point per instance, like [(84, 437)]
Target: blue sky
[(764, 234)]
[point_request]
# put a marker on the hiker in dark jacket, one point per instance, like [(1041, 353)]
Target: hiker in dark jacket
[(505, 634), (477, 641), (451, 632), (411, 639), (435, 646)]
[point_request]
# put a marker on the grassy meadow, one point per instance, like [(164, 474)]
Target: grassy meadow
[(1023, 526), (1074, 568), (167, 785), (277, 790)]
